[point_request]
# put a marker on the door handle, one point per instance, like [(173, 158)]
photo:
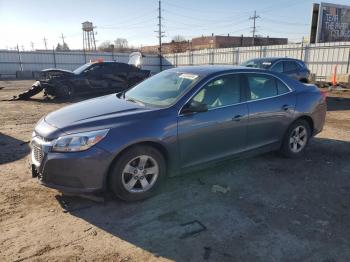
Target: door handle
[(286, 107), (237, 118)]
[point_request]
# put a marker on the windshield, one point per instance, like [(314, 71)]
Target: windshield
[(162, 89), (80, 69), (258, 63)]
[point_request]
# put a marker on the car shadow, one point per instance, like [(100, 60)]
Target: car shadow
[(12, 149), (264, 207), (338, 103)]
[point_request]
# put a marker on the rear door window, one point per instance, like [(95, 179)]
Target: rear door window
[(281, 87), (261, 86), (290, 66)]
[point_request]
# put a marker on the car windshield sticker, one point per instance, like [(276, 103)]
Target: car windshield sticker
[(188, 76), (266, 63)]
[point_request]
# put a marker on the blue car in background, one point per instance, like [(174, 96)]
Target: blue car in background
[(178, 120), (294, 68)]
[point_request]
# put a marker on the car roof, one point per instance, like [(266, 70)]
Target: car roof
[(274, 59), (205, 70), (107, 62)]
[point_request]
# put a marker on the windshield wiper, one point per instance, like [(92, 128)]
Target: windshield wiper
[(134, 101)]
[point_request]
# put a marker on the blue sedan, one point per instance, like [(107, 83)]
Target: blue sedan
[(178, 120)]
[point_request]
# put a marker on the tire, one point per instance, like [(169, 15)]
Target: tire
[(128, 178), (296, 139), (64, 90)]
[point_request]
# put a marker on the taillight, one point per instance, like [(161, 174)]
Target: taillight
[(324, 94)]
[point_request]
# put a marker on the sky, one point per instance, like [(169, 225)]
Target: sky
[(26, 23)]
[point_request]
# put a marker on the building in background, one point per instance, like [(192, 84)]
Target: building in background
[(172, 47), (330, 23), (213, 41)]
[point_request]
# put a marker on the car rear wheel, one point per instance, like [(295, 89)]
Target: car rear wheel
[(137, 173), (296, 139)]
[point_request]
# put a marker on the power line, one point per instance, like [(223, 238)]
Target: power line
[(254, 18)]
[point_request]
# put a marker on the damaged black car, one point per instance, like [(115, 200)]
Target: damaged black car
[(94, 78)]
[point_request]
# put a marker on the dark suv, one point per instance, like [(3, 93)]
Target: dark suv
[(294, 68)]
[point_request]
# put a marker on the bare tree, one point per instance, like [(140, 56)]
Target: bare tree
[(106, 46), (178, 38), (121, 44), (179, 44)]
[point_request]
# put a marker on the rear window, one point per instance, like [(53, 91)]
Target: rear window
[(265, 86), (258, 63)]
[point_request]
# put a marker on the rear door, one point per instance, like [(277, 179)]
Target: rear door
[(271, 109), (219, 132)]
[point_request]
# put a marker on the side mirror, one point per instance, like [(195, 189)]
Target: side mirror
[(194, 107)]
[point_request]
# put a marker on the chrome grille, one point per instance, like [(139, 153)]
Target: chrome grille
[(37, 153)]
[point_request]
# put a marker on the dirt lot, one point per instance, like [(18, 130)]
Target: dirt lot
[(276, 209)]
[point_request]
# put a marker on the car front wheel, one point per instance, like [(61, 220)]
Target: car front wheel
[(296, 139), (137, 173)]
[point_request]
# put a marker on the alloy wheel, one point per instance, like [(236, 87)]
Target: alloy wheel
[(298, 139), (140, 174)]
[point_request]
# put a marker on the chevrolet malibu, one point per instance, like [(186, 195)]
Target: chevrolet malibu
[(176, 121)]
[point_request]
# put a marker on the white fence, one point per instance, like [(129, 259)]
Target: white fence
[(13, 61), (320, 58)]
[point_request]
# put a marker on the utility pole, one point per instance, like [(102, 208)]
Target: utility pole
[(160, 34), (254, 18), (45, 42), (62, 36)]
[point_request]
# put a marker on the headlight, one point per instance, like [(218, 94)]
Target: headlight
[(78, 142)]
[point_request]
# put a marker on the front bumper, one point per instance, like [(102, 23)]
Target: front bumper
[(71, 172)]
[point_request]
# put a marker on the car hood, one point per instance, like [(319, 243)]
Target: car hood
[(97, 113)]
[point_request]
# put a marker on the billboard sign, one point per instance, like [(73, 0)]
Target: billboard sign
[(333, 23)]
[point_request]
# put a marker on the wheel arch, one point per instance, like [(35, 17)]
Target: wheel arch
[(157, 145), (309, 120)]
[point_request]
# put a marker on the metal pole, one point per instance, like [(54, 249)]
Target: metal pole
[(348, 64), (84, 55), (160, 34), (302, 48), (54, 56), (19, 59), (112, 52)]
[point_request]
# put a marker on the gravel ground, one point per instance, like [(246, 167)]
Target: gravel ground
[(276, 209)]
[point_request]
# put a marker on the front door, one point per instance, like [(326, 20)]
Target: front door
[(219, 132)]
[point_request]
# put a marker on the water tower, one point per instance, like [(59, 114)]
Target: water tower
[(89, 42)]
